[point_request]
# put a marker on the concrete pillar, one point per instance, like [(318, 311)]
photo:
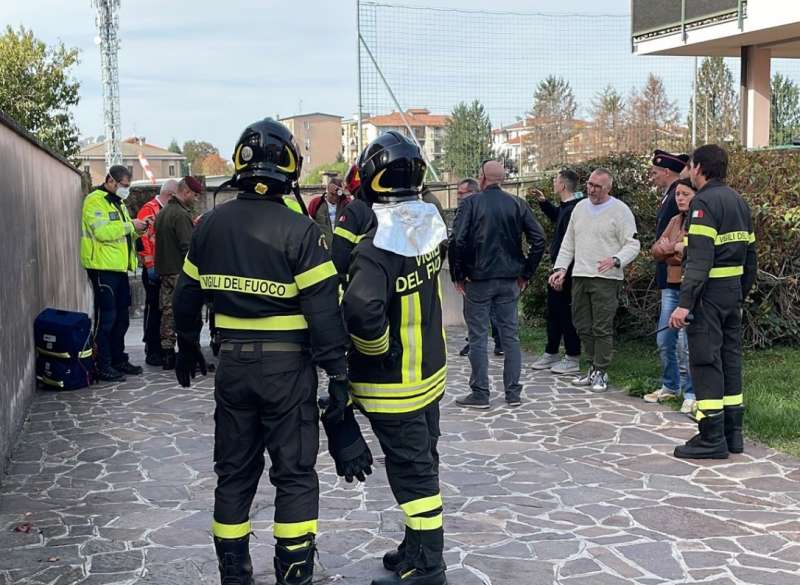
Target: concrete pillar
[(755, 96)]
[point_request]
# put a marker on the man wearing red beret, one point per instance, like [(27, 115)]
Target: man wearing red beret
[(174, 227)]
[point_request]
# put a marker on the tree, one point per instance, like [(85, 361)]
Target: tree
[(785, 110), (314, 177), (173, 147), (608, 118), (652, 119), (554, 108), (210, 165), (467, 140), (196, 150), (717, 103), (37, 90)]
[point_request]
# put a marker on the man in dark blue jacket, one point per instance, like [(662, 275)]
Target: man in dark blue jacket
[(559, 302), (490, 268)]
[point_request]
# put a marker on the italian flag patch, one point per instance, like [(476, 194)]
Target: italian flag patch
[(698, 214)]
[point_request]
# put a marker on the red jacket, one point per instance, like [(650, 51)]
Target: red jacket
[(149, 210)]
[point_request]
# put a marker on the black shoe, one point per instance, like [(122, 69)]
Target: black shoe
[(734, 417), (129, 369), (154, 359), (513, 400), (109, 374), (168, 359), (472, 401), (393, 558), (406, 576), (295, 567), (498, 352), (464, 351), (233, 557), (709, 443)]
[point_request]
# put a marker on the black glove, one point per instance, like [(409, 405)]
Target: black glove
[(189, 359), (338, 398), (347, 446)]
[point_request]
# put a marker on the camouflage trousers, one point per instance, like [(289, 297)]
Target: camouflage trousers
[(168, 282)]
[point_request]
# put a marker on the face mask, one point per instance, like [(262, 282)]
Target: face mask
[(123, 192)]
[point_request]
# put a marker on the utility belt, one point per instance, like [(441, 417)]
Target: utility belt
[(260, 346), (271, 357)]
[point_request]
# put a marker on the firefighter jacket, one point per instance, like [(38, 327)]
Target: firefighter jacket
[(267, 270), (720, 244), (355, 221), (149, 211), (107, 233), (393, 312)]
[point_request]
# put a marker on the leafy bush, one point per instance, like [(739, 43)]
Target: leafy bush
[(770, 182)]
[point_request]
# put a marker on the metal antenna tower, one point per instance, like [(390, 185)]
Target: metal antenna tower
[(107, 21)]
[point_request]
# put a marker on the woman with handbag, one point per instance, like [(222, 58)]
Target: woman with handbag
[(669, 248)]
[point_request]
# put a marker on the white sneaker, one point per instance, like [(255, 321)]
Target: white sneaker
[(660, 395), (600, 381), (567, 365), (545, 361), (585, 379), (688, 406)]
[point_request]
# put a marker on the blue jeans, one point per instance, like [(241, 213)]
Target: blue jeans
[(498, 296), (672, 353)]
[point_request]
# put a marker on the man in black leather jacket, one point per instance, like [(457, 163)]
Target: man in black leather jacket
[(490, 267)]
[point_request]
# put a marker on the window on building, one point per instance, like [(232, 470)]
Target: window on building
[(171, 170), (130, 169), (307, 125), (308, 144)]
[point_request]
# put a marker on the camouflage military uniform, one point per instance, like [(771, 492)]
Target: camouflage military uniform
[(168, 338)]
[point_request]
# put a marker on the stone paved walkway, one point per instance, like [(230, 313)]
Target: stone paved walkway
[(570, 488)]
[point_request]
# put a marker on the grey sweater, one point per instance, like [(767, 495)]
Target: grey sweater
[(596, 234)]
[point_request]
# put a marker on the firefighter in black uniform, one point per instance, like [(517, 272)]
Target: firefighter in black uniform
[(356, 221), (392, 309), (268, 272), (719, 272)]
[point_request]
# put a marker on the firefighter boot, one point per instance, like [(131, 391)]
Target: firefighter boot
[(734, 415), (294, 561), (393, 558), (422, 549), (709, 443), (233, 555), (168, 359)]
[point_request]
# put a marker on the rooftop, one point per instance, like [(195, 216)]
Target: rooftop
[(130, 149)]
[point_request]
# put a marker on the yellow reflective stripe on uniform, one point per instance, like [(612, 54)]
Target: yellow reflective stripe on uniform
[(411, 337), (315, 275), (752, 238), (230, 531), (726, 272), (294, 529), (374, 347), (292, 204), (422, 505), (710, 404), (702, 230), (190, 269), (733, 400), (276, 323), (50, 382), (248, 286), (685, 241), (54, 354), (397, 389), (347, 235), (732, 237), (85, 353), (396, 406), (421, 523)]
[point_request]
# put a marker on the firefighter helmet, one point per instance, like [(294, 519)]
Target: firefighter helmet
[(266, 159), (391, 169)]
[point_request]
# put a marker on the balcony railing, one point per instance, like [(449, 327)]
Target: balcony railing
[(651, 19)]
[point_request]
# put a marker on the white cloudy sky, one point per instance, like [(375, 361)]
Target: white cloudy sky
[(202, 69)]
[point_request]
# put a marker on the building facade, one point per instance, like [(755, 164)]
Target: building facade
[(319, 137), (165, 164)]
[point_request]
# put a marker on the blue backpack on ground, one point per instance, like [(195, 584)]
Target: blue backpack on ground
[(63, 341)]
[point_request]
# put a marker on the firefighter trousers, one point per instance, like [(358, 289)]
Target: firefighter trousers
[(409, 443), (266, 398), (715, 346)]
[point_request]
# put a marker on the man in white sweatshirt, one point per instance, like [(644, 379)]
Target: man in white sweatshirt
[(601, 239)]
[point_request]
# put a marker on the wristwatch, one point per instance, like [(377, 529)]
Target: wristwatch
[(617, 262)]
